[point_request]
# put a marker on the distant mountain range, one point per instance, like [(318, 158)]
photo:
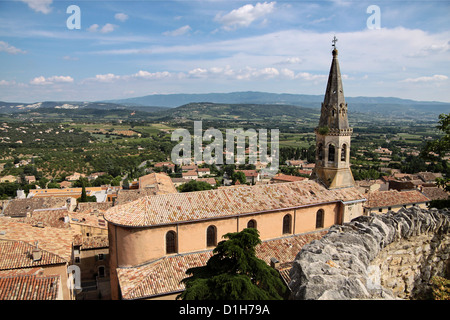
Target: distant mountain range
[(158, 104), (253, 97)]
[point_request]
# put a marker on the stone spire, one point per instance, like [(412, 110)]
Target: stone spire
[(334, 108), (333, 134)]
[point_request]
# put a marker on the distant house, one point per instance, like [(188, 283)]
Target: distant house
[(308, 166), (203, 172), (179, 181), (65, 184), (211, 181), (435, 193), (8, 178), (190, 175), (252, 176), (429, 177), (158, 181), (165, 165), (401, 185), (30, 179), (189, 168), (365, 186), (295, 163), (151, 184), (19, 208), (95, 175), (75, 176)]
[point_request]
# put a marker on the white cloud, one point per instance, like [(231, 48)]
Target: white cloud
[(109, 77), (434, 78), (430, 49), (93, 28), (287, 73), (245, 15), (178, 32), (121, 17), (308, 76), (5, 47), (290, 60), (7, 83), (251, 73), (39, 5), (105, 29), (51, 80), (69, 58), (150, 75)]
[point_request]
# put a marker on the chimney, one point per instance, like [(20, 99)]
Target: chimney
[(274, 263), (36, 252)]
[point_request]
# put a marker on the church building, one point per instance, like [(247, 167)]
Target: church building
[(156, 238)]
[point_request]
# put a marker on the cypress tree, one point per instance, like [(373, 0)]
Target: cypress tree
[(234, 273)]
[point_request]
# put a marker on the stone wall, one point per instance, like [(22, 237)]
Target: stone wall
[(386, 256)]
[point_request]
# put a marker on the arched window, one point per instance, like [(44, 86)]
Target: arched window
[(320, 215), (171, 242), (251, 224), (344, 152), (320, 151), (211, 236), (331, 151), (287, 224), (101, 271)]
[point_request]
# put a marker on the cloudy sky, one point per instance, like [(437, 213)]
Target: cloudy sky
[(134, 48)]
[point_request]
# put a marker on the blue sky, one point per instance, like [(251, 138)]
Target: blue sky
[(134, 48)]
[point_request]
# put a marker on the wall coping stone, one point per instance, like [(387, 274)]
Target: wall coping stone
[(337, 266)]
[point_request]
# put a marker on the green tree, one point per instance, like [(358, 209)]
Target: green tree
[(440, 146), (239, 175), (83, 197), (195, 185), (234, 273)]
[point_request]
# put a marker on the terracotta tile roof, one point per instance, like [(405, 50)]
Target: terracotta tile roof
[(18, 254), (429, 176), (163, 276), (21, 272), (126, 196), (285, 249), (88, 220), (160, 182), (211, 181), (55, 240), (218, 203), (388, 198), (20, 207), (47, 218), (29, 287), (249, 173), (435, 193), (97, 241), (93, 207), (160, 277), (287, 178), (151, 184), (192, 173)]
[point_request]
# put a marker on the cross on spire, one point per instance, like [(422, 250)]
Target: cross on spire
[(334, 42)]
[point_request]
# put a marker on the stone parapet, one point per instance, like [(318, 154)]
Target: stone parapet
[(386, 256)]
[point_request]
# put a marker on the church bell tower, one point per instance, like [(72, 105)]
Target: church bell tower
[(333, 134)]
